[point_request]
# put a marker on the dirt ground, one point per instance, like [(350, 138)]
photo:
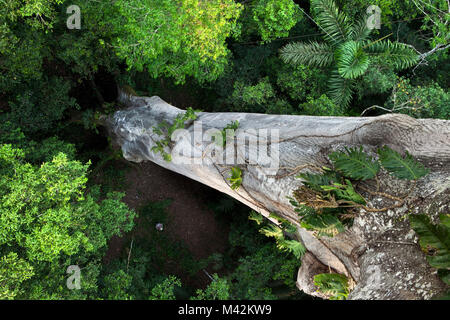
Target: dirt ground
[(191, 221)]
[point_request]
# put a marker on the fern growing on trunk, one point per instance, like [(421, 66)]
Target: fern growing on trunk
[(327, 199)]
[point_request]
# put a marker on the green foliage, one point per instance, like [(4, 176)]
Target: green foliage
[(233, 125), (324, 224), (345, 191), (51, 217), (333, 22), (46, 215), (165, 290), (256, 94), (116, 285), (322, 106), (313, 54), (47, 149), (280, 107), (300, 82), (351, 60), (13, 271), (340, 89), (36, 152), (400, 55), (254, 273), (293, 246), (274, 18), (175, 39), (434, 239), (256, 264), (355, 164), (39, 106), (345, 49), (255, 216), (36, 13), (316, 181), (235, 178), (44, 210), (436, 19), (166, 130), (288, 245), (272, 230), (286, 272), (333, 285), (218, 289), (390, 9), (401, 167), (325, 197), (428, 101), (379, 80)]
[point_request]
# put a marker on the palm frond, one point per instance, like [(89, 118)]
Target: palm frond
[(313, 53), (340, 89), (359, 30), (351, 60), (335, 23), (399, 54)]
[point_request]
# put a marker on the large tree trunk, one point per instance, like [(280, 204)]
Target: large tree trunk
[(380, 251)]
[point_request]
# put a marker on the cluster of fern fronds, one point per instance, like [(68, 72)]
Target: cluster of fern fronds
[(328, 200)]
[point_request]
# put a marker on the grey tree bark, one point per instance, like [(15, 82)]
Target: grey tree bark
[(380, 252)]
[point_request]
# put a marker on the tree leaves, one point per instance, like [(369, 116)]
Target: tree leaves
[(355, 164), (13, 271), (434, 239), (401, 167), (175, 38), (46, 212)]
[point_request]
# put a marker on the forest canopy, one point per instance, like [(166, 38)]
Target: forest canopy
[(62, 184)]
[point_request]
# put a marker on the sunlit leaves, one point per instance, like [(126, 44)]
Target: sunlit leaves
[(176, 39)]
